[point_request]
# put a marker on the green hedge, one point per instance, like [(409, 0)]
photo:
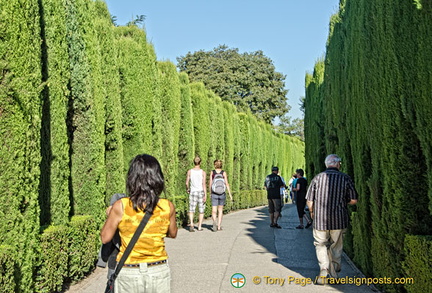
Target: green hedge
[(79, 98), (7, 269), (20, 133), (368, 100), (53, 268), (83, 245), (418, 262), (67, 253)]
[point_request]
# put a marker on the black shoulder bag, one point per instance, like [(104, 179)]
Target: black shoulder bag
[(111, 280)]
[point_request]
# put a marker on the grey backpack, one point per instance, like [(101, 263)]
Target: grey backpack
[(218, 184)]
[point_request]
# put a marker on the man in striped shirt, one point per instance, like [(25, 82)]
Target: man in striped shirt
[(327, 198)]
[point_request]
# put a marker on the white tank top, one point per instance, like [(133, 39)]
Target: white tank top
[(196, 177)]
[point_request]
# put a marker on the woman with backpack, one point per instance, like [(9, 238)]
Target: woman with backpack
[(218, 186)]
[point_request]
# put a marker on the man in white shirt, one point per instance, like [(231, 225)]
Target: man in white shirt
[(197, 193)]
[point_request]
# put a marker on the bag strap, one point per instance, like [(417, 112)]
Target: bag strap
[(131, 245)]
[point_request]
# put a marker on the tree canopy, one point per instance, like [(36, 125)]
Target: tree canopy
[(248, 80)]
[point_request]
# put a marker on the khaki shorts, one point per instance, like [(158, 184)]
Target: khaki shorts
[(275, 205), (144, 279)]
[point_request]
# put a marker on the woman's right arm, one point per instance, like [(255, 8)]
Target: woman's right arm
[(111, 223), (210, 180), (172, 228)]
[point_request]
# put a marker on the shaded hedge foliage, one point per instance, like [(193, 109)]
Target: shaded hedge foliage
[(369, 102), (21, 85), (79, 98)]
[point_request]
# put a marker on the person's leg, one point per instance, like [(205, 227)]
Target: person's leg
[(275, 218), (214, 211), (277, 207), (200, 220), (335, 251), (300, 211), (192, 206), (308, 219), (220, 215), (321, 239), (201, 207), (191, 216), (271, 212)]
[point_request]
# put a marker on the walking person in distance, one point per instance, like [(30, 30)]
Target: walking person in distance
[(196, 177), (301, 189), (272, 184), (218, 186), (328, 197)]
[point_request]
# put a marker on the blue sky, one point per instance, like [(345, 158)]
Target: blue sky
[(292, 33)]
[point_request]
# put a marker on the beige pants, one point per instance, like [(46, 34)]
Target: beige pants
[(328, 247), (154, 279)]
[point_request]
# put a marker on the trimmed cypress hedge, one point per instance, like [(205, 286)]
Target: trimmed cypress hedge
[(55, 171), (85, 113), (7, 268), (418, 262), (369, 102), (20, 135), (79, 98), (114, 162)]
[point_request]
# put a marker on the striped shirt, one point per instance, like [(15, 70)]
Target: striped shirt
[(331, 191)]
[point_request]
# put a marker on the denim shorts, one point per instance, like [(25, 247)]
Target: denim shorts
[(218, 199)]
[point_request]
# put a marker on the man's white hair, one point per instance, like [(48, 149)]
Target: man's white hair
[(332, 160)]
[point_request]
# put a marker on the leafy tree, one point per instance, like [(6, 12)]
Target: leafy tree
[(139, 19), (247, 80), (293, 128)]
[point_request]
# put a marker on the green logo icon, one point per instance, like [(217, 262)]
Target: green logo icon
[(238, 280)]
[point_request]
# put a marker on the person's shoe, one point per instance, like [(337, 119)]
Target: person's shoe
[(277, 226), (191, 229), (300, 227), (321, 279), (272, 225), (308, 224), (214, 226), (332, 271)]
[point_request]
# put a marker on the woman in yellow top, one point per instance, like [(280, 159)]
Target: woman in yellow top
[(146, 268)]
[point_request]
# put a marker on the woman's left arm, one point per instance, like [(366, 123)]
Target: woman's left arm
[(227, 185), (111, 223), (172, 228)]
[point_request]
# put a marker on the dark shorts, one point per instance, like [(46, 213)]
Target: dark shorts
[(275, 205), (301, 204), (218, 199)]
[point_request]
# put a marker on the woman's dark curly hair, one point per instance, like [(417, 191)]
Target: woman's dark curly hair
[(145, 182)]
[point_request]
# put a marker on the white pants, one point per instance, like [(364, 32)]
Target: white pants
[(154, 279), (328, 247)]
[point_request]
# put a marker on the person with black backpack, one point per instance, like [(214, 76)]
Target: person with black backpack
[(272, 184), (218, 186)]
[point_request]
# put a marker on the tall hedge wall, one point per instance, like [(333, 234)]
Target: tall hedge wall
[(369, 101), (20, 119), (79, 98)]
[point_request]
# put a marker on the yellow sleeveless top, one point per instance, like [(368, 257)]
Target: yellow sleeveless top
[(150, 247)]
